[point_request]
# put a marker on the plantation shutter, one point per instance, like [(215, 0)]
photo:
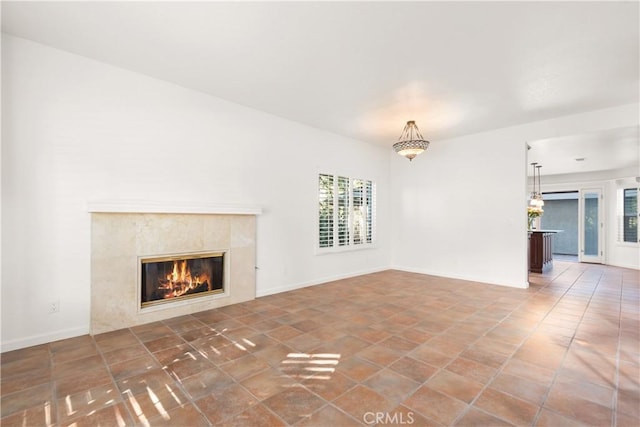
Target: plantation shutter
[(325, 211), (359, 226), (343, 211), (630, 215), (369, 202), (346, 211)]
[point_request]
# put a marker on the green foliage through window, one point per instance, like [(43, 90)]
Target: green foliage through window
[(325, 210)]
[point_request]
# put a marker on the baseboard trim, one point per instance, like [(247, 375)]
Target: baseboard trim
[(43, 338), (629, 266), (74, 332), (300, 285), (523, 285)]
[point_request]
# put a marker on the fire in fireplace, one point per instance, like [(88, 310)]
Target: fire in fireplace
[(173, 278)]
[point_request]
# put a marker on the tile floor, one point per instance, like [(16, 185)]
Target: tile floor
[(390, 348)]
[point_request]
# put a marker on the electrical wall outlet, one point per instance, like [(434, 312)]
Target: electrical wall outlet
[(54, 306)]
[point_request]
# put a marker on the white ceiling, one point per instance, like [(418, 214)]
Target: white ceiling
[(362, 69), (607, 150)]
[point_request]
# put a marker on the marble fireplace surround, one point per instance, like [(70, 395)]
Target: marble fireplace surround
[(122, 232)]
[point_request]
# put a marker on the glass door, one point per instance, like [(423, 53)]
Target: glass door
[(591, 226)]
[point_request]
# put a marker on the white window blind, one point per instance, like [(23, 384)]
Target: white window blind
[(349, 204), (369, 204), (325, 210), (343, 211), (627, 213)]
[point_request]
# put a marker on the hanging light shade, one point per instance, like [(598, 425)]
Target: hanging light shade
[(411, 143), (533, 199), (536, 200), (539, 195)]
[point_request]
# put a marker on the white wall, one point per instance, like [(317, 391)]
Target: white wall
[(458, 210), (76, 130)]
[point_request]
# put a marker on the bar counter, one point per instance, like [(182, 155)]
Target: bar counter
[(541, 250)]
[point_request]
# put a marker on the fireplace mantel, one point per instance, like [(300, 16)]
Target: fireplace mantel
[(125, 232), (137, 206)]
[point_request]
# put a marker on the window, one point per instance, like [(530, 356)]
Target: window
[(346, 212), (628, 215), (325, 208)]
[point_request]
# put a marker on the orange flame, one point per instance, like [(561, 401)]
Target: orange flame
[(180, 281)]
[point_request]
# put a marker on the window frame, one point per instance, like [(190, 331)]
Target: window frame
[(622, 216), (343, 214)]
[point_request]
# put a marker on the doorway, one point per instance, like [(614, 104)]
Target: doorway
[(591, 226), (561, 212), (579, 217)]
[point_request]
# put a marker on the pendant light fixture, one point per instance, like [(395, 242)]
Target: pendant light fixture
[(411, 143), (539, 197), (536, 196)]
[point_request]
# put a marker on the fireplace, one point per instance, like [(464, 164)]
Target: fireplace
[(124, 235), (173, 278)]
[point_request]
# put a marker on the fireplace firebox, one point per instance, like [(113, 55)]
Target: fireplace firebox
[(174, 278)]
